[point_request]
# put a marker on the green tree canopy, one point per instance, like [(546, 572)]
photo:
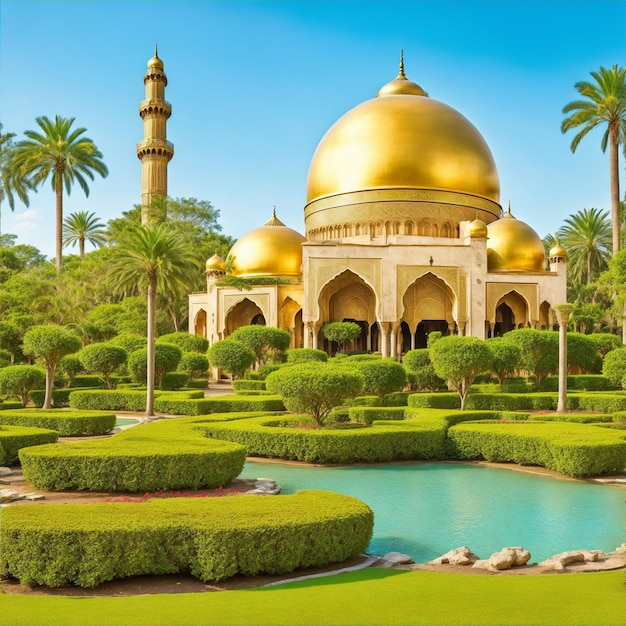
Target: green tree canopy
[(104, 359), (604, 103), (264, 341), (341, 332), (62, 155), (17, 380), (50, 343), (186, 341), (315, 388), (158, 260), (505, 357), (459, 360), (81, 227), (540, 351), (232, 356), (382, 377)]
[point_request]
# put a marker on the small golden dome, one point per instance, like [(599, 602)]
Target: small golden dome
[(558, 252), (215, 264), (272, 250), (514, 246), (401, 85), (477, 229), (155, 61)]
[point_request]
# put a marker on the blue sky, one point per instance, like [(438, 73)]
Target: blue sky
[(255, 85)]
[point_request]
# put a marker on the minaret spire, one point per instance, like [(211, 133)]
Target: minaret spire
[(401, 74), (155, 151)]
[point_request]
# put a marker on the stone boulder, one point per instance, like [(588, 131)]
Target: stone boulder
[(391, 559), (505, 559), (457, 556), (560, 561)]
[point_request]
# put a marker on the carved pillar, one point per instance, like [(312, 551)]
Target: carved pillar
[(368, 340), (563, 312), (384, 338)]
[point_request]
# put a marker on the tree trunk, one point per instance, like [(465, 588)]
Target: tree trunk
[(47, 401), (81, 247), (613, 164), (59, 222), (151, 342)]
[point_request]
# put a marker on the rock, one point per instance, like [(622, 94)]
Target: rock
[(264, 487), (559, 561), (504, 559), (391, 559), (8, 495), (34, 496), (5, 471), (457, 556)]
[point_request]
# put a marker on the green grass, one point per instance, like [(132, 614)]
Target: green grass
[(370, 596)]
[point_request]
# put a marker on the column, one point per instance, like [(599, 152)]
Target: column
[(563, 312)]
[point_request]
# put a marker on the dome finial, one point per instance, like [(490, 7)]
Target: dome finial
[(156, 50), (401, 74), (274, 211)]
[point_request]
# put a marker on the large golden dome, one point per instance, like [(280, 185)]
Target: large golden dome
[(400, 156), (512, 245), (272, 250)]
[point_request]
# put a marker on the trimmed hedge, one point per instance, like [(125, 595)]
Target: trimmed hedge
[(584, 382), (176, 403), (10, 404), (575, 450), (87, 380), (283, 438), (244, 384), (66, 423), (212, 538), (60, 397), (169, 454), (367, 414), (198, 383), (14, 438)]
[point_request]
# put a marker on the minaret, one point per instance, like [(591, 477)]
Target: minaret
[(154, 151)]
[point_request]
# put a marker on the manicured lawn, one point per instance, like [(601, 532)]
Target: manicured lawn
[(370, 596)]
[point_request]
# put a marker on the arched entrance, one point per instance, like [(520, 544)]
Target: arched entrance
[(428, 305), (511, 313), (244, 313), (290, 318), (348, 297), (199, 324)]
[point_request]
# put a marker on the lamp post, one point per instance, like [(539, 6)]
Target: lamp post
[(563, 312)]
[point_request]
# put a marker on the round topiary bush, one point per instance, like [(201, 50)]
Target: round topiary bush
[(306, 355), (315, 388)]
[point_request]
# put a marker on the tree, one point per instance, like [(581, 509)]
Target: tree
[(50, 343), (186, 341), (70, 366), (305, 355), (104, 359), (80, 227), (11, 183), (459, 360), (581, 351), (315, 388), (264, 341), (167, 356), (341, 332), (232, 356), (614, 367), (586, 236), (158, 260), (194, 364), (605, 343), (505, 358), (63, 155), (17, 380), (382, 377), (422, 374), (540, 351), (604, 103)]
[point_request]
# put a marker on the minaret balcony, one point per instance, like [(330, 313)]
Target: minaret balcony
[(155, 147)]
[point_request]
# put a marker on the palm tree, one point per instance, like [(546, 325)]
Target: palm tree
[(605, 103), (155, 258), (586, 236), (80, 227), (11, 184), (63, 155)]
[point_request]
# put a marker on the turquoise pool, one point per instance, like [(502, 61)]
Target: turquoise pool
[(426, 509)]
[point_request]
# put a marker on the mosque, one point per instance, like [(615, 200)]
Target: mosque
[(404, 234)]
